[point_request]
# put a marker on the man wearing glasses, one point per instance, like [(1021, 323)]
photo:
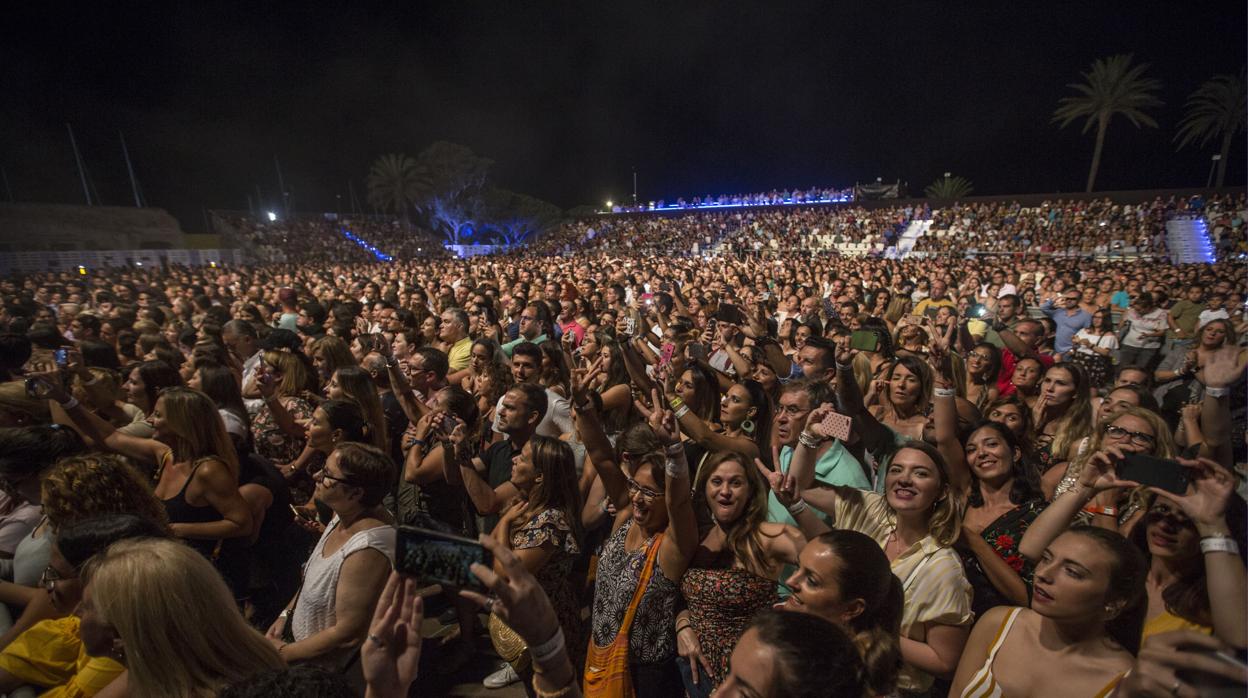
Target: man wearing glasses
[(1069, 319)]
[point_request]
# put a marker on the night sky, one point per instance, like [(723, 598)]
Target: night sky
[(566, 98)]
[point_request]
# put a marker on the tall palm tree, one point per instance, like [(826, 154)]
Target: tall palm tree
[(1113, 86), (396, 183), (1217, 108), (949, 188)]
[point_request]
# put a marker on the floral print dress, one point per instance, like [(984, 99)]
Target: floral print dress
[(273, 443), (557, 576), (1003, 535), (721, 604)]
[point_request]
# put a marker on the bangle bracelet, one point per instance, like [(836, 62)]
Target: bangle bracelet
[(70, 403), (809, 440), (798, 507), (682, 627), (1217, 392), (1098, 509), (1219, 544), (548, 649), (945, 392), (682, 411)]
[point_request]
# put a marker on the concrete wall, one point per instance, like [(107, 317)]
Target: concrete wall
[(48, 227)]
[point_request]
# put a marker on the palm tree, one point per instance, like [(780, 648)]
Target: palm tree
[(1216, 109), (1113, 86), (395, 183), (949, 188)]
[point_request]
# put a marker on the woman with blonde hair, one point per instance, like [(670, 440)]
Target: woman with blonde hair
[(162, 611), (194, 460), (277, 429), (916, 521), (354, 384)]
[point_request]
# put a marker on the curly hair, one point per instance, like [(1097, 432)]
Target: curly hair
[(95, 484)]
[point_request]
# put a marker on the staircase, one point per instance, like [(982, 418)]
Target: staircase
[(914, 231), (1188, 241)]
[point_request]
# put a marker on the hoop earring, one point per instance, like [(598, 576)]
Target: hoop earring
[(748, 426)]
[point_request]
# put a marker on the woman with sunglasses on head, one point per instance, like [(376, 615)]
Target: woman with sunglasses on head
[(1192, 542), (653, 538), (328, 618), (982, 365)]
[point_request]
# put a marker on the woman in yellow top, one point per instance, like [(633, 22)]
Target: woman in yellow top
[(916, 521), (51, 655), (1080, 634)]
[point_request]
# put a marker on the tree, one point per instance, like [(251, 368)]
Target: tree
[(396, 183), (457, 177), (949, 188), (1216, 109), (517, 217), (1112, 87)]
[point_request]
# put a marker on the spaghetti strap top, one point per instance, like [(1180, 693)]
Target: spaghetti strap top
[(181, 511), (984, 685)]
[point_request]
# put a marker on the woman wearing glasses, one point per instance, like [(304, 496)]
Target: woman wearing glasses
[(652, 541), (328, 618), (1130, 430)]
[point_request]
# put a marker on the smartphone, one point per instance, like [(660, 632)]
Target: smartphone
[(697, 351), (630, 325), (837, 425), (302, 513), (666, 357), (37, 388), (1154, 472), (62, 357), (730, 314), (440, 557), (977, 310), (864, 340)]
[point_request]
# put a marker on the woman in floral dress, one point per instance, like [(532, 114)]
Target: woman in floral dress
[(735, 569), (1004, 499)]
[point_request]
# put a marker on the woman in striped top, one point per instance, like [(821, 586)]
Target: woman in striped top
[(1084, 620)]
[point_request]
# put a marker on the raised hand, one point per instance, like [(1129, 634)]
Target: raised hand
[(814, 421), (1098, 472), (663, 421), (391, 654), (1210, 488), (1224, 367)]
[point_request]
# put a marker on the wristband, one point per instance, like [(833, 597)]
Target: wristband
[(70, 404), (674, 449), (1217, 392), (1219, 544), (548, 649), (798, 507), (682, 411), (683, 627), (585, 406), (417, 442), (676, 402), (1098, 509), (945, 392), (676, 466)]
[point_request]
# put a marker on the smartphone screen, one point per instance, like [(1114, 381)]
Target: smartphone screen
[(62, 357), (440, 557), (1154, 472), (864, 340)]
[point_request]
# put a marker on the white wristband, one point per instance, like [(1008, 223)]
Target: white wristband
[(1219, 544), (548, 649), (1217, 392), (70, 403), (945, 392), (798, 507), (676, 466)]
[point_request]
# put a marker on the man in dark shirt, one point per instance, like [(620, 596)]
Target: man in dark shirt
[(519, 413)]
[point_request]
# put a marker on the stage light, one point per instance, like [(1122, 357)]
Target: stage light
[(608, 204), (272, 216)]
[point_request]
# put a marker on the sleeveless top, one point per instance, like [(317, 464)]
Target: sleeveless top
[(984, 685), (181, 511), (652, 637), (314, 609), (722, 602)]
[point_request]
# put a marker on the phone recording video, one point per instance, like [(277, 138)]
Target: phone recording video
[(864, 340), (1163, 474), (440, 558)]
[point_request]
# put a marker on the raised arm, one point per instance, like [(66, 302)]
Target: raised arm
[(1097, 476), (598, 448), (682, 527), (1222, 369), (945, 419), (69, 411)]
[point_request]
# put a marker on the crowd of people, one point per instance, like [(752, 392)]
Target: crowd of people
[(775, 197), (760, 473), (327, 239)]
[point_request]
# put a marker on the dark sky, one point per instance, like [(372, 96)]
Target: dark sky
[(566, 98)]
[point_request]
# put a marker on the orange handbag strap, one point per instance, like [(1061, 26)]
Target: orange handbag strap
[(643, 581)]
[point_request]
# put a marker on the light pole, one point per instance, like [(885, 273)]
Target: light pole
[(1213, 162)]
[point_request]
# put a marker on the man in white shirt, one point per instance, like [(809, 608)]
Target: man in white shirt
[(526, 367)]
